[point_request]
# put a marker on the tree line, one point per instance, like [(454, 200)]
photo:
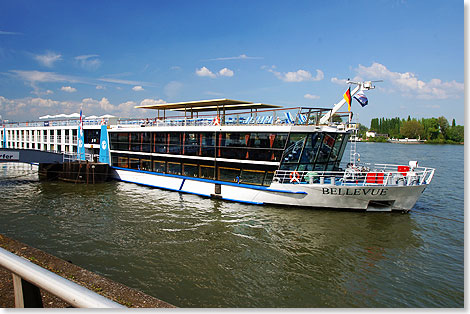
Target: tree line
[(434, 130)]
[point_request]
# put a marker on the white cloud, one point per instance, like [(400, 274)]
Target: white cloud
[(68, 89), (137, 88), (100, 87), (124, 82), (240, 57), (9, 33), (88, 62), (32, 108), (150, 102), (226, 72), (298, 76), (48, 59), (339, 81), (205, 72), (408, 84), (310, 96)]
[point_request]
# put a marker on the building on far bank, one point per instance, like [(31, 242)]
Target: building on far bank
[(375, 134)]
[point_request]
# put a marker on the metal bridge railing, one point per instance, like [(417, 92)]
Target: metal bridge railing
[(28, 277)]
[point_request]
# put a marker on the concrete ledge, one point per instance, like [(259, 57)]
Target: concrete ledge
[(113, 290)]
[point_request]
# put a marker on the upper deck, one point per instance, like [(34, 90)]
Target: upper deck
[(221, 112)]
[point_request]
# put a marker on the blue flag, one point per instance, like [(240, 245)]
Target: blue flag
[(80, 139), (361, 98), (104, 145)]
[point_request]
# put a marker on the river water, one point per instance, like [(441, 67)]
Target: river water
[(196, 252)]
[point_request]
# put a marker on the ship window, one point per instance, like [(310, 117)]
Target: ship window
[(190, 170), (207, 172), (305, 167), (229, 174), (235, 139), (134, 163), (175, 139), (326, 147), (336, 148), (135, 142), (252, 176), (146, 139), (311, 147), (191, 144), (288, 167), (122, 162), (174, 168), (159, 166), (269, 178), (146, 164), (294, 147), (278, 140), (341, 152), (261, 154), (160, 138), (208, 139), (122, 142), (175, 149), (233, 153)]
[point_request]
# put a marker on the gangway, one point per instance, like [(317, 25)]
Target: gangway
[(33, 156)]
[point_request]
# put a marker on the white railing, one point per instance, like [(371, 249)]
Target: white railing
[(64, 289), (68, 157), (380, 175)]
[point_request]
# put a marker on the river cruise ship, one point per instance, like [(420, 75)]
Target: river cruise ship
[(233, 150)]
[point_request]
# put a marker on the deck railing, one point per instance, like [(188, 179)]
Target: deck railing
[(381, 175), (28, 277), (284, 116)]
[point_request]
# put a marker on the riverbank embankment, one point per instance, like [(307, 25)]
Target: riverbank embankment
[(110, 289)]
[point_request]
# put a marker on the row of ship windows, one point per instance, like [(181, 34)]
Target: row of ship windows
[(44, 139), (220, 139), (24, 134), (196, 170), (42, 146)]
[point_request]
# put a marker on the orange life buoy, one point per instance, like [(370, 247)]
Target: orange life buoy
[(294, 176), (216, 121)]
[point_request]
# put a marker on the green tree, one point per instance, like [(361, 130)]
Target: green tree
[(431, 128), (336, 118), (412, 129), (362, 131), (443, 126), (456, 133)]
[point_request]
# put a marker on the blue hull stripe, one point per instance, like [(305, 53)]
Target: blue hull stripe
[(253, 187), (205, 195)]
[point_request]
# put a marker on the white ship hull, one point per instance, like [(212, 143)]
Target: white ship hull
[(362, 198)]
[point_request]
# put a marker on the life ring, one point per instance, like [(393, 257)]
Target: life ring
[(294, 176), (216, 121)]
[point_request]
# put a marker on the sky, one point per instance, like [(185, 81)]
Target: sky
[(108, 56)]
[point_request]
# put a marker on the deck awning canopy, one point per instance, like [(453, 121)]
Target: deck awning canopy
[(209, 105)]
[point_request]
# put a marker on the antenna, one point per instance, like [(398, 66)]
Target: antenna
[(366, 85)]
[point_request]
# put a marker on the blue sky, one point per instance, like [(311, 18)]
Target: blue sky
[(109, 56)]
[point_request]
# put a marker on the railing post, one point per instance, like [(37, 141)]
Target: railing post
[(27, 295)]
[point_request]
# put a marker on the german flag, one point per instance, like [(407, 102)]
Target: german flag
[(347, 97)]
